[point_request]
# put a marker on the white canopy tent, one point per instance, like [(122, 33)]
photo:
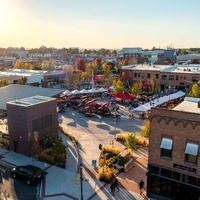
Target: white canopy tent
[(76, 92), (67, 92), (84, 91), (102, 90), (93, 90), (159, 101)]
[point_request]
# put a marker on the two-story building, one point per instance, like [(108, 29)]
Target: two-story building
[(174, 161), (169, 77)]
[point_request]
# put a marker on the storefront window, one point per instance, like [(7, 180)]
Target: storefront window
[(155, 170), (192, 180)]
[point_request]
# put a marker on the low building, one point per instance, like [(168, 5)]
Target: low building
[(30, 119), (169, 77), (174, 161)]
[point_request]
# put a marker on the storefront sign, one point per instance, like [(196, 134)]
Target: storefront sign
[(184, 168)]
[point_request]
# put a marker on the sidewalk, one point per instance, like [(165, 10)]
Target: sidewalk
[(60, 184)]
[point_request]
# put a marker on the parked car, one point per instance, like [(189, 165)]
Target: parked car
[(30, 173)]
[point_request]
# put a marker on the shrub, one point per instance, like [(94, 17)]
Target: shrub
[(106, 175), (111, 149), (120, 137)]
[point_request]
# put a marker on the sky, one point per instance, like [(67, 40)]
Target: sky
[(94, 24)]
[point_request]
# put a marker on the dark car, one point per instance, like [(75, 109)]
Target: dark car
[(30, 173)]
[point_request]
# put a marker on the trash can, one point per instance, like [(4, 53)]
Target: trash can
[(100, 146)]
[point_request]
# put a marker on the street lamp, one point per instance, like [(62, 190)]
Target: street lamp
[(81, 176)]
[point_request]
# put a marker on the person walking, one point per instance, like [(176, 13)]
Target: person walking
[(116, 184), (112, 188), (141, 186)]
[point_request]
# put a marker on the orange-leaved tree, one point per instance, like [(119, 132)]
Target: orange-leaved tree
[(80, 64)]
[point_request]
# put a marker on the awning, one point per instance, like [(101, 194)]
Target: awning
[(166, 143), (191, 149)]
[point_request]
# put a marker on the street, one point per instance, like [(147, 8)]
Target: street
[(15, 189)]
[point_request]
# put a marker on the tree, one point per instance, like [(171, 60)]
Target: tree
[(48, 65), (3, 83), (195, 91), (22, 80), (98, 63), (195, 61), (80, 64), (125, 62), (154, 85), (132, 142), (70, 77), (137, 88), (36, 149), (118, 86), (107, 72), (145, 130), (88, 74)]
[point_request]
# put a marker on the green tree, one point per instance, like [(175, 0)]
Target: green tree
[(132, 142), (154, 85), (145, 130), (118, 86), (195, 91), (22, 80), (136, 90), (107, 72)]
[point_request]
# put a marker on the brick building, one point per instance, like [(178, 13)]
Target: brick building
[(30, 119), (174, 161), (169, 77)]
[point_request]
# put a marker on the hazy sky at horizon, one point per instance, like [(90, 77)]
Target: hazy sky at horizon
[(110, 24)]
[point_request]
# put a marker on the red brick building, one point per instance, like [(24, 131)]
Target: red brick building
[(30, 119), (174, 161), (169, 77)]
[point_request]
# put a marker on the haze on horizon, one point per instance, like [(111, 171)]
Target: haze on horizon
[(95, 24)]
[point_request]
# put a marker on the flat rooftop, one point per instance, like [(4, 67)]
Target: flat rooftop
[(30, 101), (15, 91), (189, 104)]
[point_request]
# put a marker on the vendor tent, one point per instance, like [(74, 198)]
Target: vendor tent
[(67, 92), (102, 90), (84, 91)]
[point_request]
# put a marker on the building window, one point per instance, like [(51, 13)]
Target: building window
[(195, 79), (171, 77), (42, 122), (148, 75), (123, 73), (166, 148), (191, 153), (130, 74), (176, 77), (157, 76), (164, 77), (142, 75), (138, 74), (135, 75)]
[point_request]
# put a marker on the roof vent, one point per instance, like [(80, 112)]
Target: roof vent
[(184, 69), (189, 69)]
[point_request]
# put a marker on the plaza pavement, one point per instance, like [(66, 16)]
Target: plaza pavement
[(61, 184)]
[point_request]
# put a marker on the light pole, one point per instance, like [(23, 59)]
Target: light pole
[(81, 176)]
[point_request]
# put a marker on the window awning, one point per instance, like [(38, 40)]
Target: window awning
[(166, 143), (191, 149)]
